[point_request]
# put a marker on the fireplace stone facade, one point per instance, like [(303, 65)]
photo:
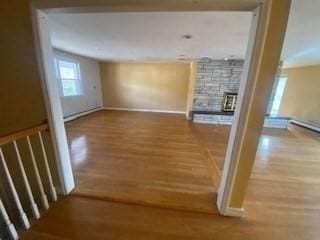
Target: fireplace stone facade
[(213, 79)]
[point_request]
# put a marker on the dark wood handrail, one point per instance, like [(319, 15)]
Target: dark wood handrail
[(22, 133)]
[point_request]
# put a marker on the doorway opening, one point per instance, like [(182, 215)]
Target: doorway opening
[(47, 56)]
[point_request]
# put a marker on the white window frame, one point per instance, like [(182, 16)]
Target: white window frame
[(59, 78)]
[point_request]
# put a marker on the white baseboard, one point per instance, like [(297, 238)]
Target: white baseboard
[(234, 212), (144, 110), (306, 125), (77, 115), (229, 211)]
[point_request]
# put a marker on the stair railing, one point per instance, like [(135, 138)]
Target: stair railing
[(12, 139)]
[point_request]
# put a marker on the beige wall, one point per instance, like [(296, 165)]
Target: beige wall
[(21, 100), (151, 86), (301, 98)]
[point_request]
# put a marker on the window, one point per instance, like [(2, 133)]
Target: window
[(69, 75), (278, 95)]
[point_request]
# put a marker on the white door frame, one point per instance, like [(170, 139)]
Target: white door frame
[(51, 93), (52, 99)]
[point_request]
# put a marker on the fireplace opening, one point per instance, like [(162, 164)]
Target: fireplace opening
[(229, 102)]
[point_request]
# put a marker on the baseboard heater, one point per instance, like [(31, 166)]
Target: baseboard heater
[(309, 126), (80, 114)]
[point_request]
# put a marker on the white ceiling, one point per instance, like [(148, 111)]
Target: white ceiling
[(302, 42), (157, 36), (152, 36)]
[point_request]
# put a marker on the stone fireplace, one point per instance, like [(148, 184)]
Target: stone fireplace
[(215, 94), (214, 78)]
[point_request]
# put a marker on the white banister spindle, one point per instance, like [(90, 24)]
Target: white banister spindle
[(52, 188), (44, 198), (23, 216), (34, 206), (10, 226)]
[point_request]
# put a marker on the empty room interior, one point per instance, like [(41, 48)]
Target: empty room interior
[(147, 101), (145, 144)]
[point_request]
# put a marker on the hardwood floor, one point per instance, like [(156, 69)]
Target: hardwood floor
[(152, 159), (81, 218), (167, 176), (287, 171)]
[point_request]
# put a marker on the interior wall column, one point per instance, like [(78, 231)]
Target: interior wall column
[(263, 54)]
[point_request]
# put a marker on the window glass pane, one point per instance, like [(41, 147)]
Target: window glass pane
[(68, 73), (69, 87), (278, 96), (68, 70)]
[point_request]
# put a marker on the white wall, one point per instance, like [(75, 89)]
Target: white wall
[(91, 85)]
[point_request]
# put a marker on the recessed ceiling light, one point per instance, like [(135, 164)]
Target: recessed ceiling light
[(226, 59), (187, 36)]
